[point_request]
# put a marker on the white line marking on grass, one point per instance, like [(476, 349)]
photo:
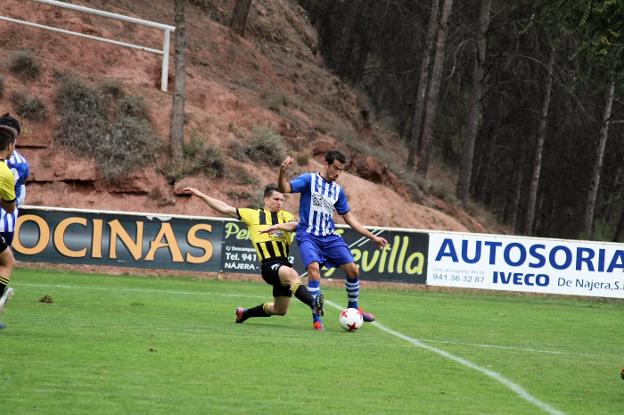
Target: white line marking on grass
[(517, 389), (520, 349)]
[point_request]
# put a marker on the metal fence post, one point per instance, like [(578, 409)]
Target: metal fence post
[(165, 62), (167, 29)]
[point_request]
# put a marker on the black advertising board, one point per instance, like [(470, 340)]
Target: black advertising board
[(194, 243), (118, 239), (404, 260)]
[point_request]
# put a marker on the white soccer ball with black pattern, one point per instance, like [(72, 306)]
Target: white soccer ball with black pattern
[(351, 319)]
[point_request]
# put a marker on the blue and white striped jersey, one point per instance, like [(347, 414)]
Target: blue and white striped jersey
[(7, 221), (21, 169), (316, 205)]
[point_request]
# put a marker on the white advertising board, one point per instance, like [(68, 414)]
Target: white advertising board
[(534, 265)]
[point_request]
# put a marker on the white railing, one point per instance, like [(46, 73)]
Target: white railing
[(165, 28)]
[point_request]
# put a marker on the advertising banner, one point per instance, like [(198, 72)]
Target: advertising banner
[(537, 265), (238, 256), (75, 236), (119, 239), (404, 260)]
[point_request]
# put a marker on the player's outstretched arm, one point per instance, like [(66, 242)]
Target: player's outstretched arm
[(282, 182), (216, 204), (286, 227), (359, 228)]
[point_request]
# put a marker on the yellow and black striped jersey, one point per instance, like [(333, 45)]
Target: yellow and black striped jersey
[(7, 183), (267, 246)]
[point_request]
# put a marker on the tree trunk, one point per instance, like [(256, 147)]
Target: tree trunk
[(238, 22), (595, 178), (483, 185), (424, 148), (177, 119), (515, 204), (517, 191), (539, 147), (423, 83), (613, 193), (474, 106)]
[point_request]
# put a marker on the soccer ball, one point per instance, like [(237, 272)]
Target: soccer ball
[(351, 319)]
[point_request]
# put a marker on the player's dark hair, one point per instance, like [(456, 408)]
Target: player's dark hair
[(10, 121), (7, 136), (334, 155), (269, 189)]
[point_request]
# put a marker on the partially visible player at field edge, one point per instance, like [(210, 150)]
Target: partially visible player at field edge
[(318, 242), (7, 202), (20, 168), (270, 230)]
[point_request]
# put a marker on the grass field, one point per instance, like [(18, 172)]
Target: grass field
[(147, 345)]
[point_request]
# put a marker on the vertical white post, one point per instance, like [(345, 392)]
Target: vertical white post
[(165, 62)]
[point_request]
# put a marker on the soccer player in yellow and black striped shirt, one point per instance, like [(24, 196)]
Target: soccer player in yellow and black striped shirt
[(270, 231), (7, 202)]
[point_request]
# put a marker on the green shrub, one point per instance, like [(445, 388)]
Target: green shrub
[(29, 107), (265, 146), (194, 147), (132, 106), (212, 163), (275, 101), (197, 158), (85, 129), (83, 121), (603, 231), (24, 65), (237, 152), (112, 88), (243, 178), (129, 145)]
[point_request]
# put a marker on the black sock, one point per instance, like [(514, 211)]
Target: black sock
[(302, 294), (257, 311), (2, 288)]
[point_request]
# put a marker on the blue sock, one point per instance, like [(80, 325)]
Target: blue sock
[(314, 287), (353, 291)]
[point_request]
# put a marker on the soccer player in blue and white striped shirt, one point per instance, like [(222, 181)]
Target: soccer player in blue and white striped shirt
[(319, 244), (21, 169)]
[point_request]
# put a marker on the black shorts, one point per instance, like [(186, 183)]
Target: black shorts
[(8, 238), (3, 243), (270, 274)]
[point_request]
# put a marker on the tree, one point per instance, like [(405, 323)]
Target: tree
[(474, 106), (602, 25), (517, 191), (423, 83), (539, 147), (433, 95), (238, 22), (179, 98), (588, 219)]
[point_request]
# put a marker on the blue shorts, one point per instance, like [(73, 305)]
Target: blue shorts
[(330, 250)]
